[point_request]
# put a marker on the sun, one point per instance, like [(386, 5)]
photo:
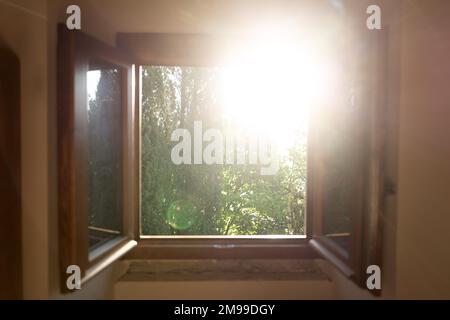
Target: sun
[(272, 84)]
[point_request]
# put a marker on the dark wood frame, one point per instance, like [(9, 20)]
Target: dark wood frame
[(366, 219), (222, 248), (10, 176), (75, 49)]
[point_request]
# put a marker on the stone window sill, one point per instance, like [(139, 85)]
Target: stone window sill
[(223, 270)]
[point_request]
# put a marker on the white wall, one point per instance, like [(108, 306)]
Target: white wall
[(225, 290), (423, 253)]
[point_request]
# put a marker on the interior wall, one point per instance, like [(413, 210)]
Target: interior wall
[(225, 290), (103, 18), (423, 254)]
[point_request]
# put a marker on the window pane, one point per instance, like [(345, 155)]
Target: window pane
[(237, 163), (339, 187), (342, 155), (105, 153)]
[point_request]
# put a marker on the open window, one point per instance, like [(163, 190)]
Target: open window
[(95, 153), (346, 176), (116, 140)]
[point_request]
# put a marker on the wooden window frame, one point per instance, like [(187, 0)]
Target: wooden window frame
[(365, 245), (75, 49)]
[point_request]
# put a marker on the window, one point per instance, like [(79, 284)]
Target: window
[(95, 153), (164, 141), (347, 187)]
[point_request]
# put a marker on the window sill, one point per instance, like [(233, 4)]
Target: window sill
[(234, 248), (224, 270), (107, 260)]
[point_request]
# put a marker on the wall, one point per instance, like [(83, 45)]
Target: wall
[(225, 290), (423, 254), (103, 18), (28, 29), (23, 26)]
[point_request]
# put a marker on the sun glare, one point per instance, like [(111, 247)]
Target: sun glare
[(271, 87)]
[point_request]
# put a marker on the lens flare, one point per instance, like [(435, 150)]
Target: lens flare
[(181, 215)]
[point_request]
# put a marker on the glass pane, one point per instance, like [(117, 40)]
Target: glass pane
[(105, 153), (344, 142)]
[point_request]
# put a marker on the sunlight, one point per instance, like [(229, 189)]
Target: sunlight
[(92, 80), (271, 88)]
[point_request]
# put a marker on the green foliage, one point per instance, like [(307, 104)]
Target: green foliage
[(210, 199)]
